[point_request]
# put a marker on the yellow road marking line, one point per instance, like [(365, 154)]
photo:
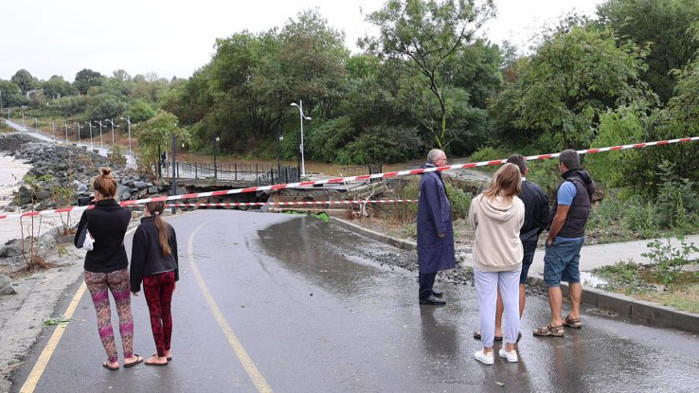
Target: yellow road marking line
[(245, 360), (40, 366), (50, 348)]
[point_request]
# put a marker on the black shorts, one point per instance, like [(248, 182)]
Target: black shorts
[(529, 249)]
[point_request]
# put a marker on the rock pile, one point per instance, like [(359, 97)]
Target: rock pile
[(62, 172)]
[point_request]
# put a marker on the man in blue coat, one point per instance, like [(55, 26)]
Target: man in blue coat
[(435, 233)]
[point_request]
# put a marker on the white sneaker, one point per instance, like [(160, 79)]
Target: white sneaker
[(483, 358), (510, 356)]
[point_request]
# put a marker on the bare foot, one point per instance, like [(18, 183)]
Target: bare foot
[(156, 361)]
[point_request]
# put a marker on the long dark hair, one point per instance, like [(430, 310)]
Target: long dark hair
[(156, 209)]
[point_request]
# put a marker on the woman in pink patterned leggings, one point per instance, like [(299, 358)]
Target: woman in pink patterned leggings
[(106, 268)]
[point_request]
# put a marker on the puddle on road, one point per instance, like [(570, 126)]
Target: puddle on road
[(590, 280), (335, 259)]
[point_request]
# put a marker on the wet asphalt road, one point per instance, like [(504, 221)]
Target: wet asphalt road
[(316, 313)]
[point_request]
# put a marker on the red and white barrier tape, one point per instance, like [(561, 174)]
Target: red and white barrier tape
[(340, 180), (282, 204)]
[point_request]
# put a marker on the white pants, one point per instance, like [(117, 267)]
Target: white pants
[(487, 284)]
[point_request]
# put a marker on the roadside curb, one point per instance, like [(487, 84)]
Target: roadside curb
[(380, 237), (626, 307)]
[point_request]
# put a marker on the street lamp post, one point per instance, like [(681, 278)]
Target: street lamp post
[(79, 139), (302, 117), (112, 123), (174, 168), (128, 122), (90, 124), (216, 139), (101, 141)]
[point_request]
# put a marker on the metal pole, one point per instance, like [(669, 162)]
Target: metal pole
[(215, 168), (78, 127), (53, 129), (66, 125), (101, 141), (128, 123), (303, 167), (173, 190), (90, 123), (36, 124)]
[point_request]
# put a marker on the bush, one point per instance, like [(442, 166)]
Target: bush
[(677, 203), (460, 201), (385, 144), (546, 175), (608, 212), (640, 217)]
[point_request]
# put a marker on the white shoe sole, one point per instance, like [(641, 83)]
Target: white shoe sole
[(483, 359), (503, 354)]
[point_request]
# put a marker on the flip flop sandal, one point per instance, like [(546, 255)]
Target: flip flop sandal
[(108, 367), (139, 359), (549, 331), (156, 364), (477, 336), (574, 323)]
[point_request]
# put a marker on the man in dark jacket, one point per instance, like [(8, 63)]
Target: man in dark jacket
[(564, 241), (536, 213), (435, 233)]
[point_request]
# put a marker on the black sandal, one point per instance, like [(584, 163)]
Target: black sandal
[(108, 367)]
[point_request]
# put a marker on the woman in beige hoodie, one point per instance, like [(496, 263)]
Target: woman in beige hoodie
[(497, 216)]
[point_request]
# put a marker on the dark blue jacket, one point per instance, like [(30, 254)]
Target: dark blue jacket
[(434, 217), (536, 212)]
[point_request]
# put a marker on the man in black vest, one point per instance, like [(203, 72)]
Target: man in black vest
[(564, 241)]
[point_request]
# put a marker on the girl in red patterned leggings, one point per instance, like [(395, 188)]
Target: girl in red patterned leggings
[(154, 261)]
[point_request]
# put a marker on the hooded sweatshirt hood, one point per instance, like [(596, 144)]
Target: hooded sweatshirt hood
[(498, 209)]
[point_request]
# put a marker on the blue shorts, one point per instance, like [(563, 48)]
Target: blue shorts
[(529, 249), (562, 262)]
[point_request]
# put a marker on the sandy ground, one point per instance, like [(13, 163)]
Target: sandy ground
[(11, 171)]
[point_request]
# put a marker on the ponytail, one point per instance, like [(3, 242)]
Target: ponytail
[(156, 209)]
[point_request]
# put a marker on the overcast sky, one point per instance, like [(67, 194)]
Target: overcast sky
[(174, 37)]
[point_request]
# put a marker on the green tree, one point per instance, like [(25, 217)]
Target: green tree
[(155, 135), (11, 94), (24, 80), (139, 111), (85, 79), (665, 26), (428, 33), (575, 75), (104, 106), (57, 87)]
